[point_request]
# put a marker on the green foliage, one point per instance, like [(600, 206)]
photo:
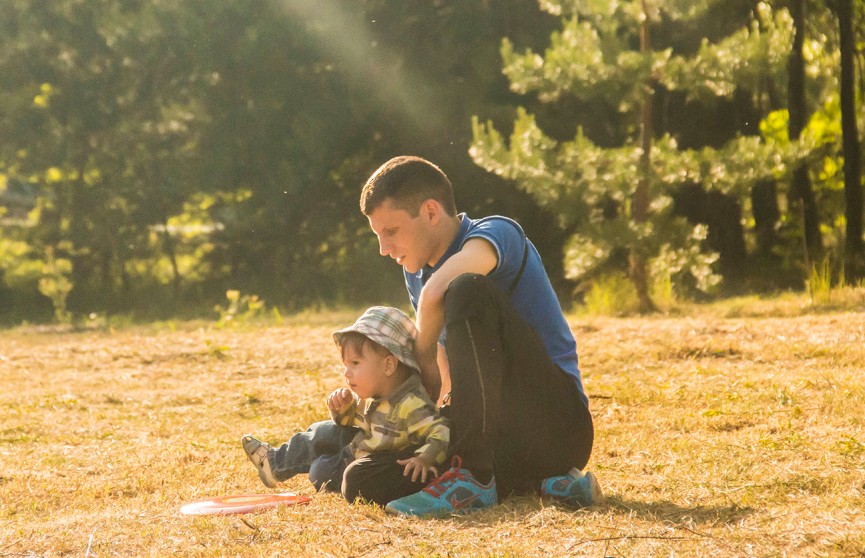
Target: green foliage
[(56, 285), (241, 309), (611, 295), (820, 282), (739, 61), (689, 265), (170, 151), (828, 287), (591, 188), (18, 267)]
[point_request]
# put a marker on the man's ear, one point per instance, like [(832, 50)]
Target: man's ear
[(431, 210)]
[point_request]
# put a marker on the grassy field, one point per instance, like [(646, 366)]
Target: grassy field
[(737, 431)]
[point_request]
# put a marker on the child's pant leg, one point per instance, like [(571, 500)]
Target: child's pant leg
[(297, 455), (327, 470)]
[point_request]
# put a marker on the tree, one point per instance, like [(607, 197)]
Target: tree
[(618, 199), (310, 99), (798, 116), (854, 245), (178, 150), (98, 100)]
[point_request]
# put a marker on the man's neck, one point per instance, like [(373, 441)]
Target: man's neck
[(450, 228)]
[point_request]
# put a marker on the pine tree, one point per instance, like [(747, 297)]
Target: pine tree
[(854, 246), (618, 200)]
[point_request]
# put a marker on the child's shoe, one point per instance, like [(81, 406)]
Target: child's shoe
[(456, 491), (258, 451), (576, 489)]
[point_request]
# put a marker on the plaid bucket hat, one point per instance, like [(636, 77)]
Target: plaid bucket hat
[(389, 327)]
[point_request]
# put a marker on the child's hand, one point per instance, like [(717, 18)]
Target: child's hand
[(340, 400), (419, 468)]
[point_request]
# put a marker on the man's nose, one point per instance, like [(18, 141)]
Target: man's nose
[(383, 247)]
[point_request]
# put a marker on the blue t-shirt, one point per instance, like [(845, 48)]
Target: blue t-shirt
[(533, 297)]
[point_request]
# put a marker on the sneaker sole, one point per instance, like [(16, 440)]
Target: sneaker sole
[(438, 514), (260, 464), (595, 488), (434, 515)]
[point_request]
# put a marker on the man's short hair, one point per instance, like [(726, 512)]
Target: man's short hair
[(407, 181)]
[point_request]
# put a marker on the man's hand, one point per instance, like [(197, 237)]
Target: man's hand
[(340, 400), (418, 467)]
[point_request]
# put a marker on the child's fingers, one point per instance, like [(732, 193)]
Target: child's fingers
[(413, 467), (408, 466), (429, 472), (339, 400), (418, 469)]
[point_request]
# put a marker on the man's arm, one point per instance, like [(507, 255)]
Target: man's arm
[(476, 256), (444, 374)]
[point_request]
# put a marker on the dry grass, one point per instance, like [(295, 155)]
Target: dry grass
[(721, 436)]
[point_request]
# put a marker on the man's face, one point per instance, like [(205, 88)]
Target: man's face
[(406, 239)]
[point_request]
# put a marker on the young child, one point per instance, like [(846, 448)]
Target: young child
[(386, 439)]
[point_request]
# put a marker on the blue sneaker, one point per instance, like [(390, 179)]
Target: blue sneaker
[(456, 491), (576, 489), (258, 452)]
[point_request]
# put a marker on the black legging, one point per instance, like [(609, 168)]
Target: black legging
[(514, 412)]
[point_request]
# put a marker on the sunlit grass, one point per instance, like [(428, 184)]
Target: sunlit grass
[(735, 429)]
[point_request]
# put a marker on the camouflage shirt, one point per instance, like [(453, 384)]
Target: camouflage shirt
[(406, 419)]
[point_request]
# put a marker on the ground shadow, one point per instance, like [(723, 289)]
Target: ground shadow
[(670, 512), (688, 518)]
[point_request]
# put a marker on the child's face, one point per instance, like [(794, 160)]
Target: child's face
[(365, 371)]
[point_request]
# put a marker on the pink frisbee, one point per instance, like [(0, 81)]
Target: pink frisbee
[(242, 503)]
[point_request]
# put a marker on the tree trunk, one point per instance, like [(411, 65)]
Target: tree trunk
[(169, 245), (79, 237), (801, 187), (764, 207), (637, 262), (854, 260)]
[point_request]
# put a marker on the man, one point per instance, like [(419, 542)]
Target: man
[(493, 346)]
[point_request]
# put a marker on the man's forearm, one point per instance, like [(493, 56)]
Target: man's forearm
[(429, 324), (430, 376)]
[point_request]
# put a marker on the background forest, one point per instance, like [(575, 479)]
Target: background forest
[(156, 154)]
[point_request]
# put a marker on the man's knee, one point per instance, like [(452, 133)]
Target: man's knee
[(467, 291)]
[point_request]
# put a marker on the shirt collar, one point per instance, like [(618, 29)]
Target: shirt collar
[(412, 383)]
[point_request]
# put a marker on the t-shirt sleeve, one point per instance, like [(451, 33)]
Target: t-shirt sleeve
[(507, 240)]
